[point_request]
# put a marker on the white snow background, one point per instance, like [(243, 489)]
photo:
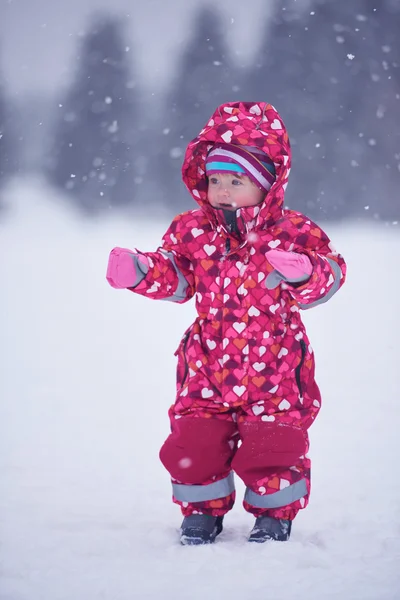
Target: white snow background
[(87, 375)]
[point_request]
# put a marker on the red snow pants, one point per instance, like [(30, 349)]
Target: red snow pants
[(202, 453)]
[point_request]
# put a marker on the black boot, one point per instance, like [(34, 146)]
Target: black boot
[(200, 529), (268, 528)]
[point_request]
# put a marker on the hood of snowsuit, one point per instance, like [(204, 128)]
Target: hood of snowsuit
[(244, 124)]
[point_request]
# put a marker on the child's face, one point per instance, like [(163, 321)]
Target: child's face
[(231, 192)]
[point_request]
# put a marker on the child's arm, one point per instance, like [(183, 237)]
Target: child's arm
[(314, 271), (162, 275)]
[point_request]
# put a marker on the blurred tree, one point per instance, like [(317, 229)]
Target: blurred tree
[(8, 146), (315, 67), (278, 75), (366, 133), (93, 150), (390, 32), (206, 78), (378, 114), (298, 71), (3, 137)]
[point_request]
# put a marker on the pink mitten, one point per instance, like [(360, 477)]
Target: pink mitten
[(126, 268), (294, 267)]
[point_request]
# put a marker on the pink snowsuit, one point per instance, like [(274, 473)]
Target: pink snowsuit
[(245, 366)]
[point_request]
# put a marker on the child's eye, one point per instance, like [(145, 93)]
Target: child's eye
[(236, 182), (213, 180)]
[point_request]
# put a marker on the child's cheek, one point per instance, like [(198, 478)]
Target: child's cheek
[(210, 198)]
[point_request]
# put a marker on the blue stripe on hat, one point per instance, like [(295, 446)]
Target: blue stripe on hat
[(269, 166), (224, 166)]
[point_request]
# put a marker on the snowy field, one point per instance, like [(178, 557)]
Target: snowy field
[(87, 374)]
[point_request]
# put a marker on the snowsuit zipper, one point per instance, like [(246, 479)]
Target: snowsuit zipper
[(299, 366), (186, 370)]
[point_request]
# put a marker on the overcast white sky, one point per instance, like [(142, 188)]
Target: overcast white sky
[(38, 37)]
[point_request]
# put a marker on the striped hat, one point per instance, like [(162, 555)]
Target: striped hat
[(244, 160)]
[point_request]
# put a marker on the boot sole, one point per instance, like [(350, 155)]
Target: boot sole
[(195, 541)]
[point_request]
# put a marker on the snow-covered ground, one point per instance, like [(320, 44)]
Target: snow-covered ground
[(86, 378)]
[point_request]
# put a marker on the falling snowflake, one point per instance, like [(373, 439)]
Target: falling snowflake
[(380, 112), (113, 128), (350, 56), (176, 152)]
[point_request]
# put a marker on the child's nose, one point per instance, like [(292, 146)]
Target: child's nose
[(223, 192)]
